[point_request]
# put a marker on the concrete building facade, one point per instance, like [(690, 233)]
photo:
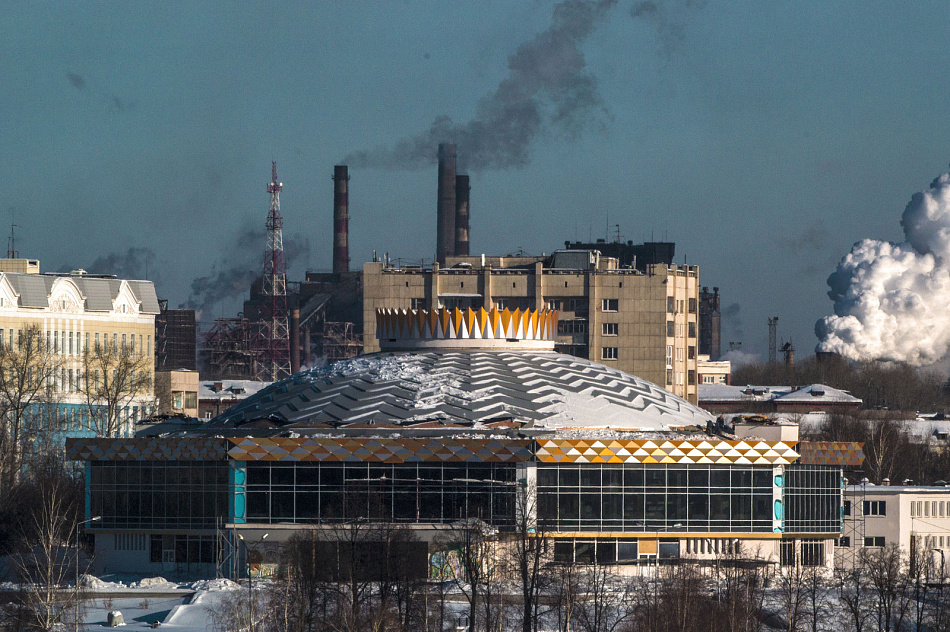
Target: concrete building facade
[(913, 518), (644, 323)]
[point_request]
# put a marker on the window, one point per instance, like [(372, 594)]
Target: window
[(669, 377), (692, 330), (847, 507), (417, 303), (691, 377), (608, 353), (843, 542), (692, 306), (679, 354), (876, 541), (554, 304), (566, 327), (875, 508), (610, 305), (669, 356), (670, 305), (670, 328), (178, 400), (691, 352), (813, 553), (191, 399), (611, 329)]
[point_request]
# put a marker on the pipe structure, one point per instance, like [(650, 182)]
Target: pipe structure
[(294, 340), (341, 219), (462, 189), (445, 220)]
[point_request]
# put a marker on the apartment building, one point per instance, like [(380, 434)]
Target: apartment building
[(643, 322), (74, 314)]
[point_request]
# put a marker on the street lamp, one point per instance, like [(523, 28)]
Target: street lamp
[(76, 587), (250, 580)]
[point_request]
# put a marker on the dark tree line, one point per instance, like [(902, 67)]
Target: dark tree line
[(891, 385)]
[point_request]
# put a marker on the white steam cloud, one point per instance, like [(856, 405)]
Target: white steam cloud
[(891, 299)]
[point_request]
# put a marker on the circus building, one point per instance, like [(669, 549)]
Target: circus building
[(457, 415)]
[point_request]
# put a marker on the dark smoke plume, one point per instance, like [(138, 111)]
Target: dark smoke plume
[(547, 88), (668, 18), (77, 80), (132, 264), (233, 274)]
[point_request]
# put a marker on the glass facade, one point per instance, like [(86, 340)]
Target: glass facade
[(655, 498), (813, 499), (404, 492), (159, 494)]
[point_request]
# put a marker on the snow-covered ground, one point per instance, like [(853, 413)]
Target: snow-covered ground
[(184, 607)]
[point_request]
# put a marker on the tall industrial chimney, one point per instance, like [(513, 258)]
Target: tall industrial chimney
[(445, 222), (341, 219), (461, 215)]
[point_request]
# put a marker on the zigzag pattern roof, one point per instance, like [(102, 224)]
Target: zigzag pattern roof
[(146, 449), (456, 324), (381, 450), (832, 453), (469, 387), (712, 452)]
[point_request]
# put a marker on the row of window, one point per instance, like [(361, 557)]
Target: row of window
[(674, 306), (677, 330), (71, 343), (679, 377), (929, 509)]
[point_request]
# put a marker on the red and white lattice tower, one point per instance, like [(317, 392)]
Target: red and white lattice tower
[(275, 345)]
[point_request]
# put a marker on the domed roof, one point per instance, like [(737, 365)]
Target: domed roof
[(470, 388)]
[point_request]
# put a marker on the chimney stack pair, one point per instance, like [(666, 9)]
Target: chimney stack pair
[(452, 225)]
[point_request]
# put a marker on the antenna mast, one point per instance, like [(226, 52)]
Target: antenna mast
[(12, 252), (275, 346)]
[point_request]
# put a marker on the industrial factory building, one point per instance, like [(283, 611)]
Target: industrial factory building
[(461, 411)]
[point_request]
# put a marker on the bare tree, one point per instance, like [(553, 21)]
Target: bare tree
[(48, 563), (816, 593), (28, 368), (565, 594), (111, 379), (888, 581), (854, 595), (474, 542), (791, 589), (527, 556), (607, 602)]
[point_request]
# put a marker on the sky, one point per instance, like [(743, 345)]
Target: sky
[(763, 138)]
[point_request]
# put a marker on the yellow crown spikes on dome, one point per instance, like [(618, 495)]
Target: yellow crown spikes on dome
[(456, 328)]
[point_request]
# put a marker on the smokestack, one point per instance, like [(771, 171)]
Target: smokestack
[(461, 215), (445, 224), (341, 219), (294, 340)]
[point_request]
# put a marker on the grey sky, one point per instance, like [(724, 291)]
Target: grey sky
[(764, 138)]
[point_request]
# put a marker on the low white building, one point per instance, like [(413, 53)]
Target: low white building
[(911, 517)]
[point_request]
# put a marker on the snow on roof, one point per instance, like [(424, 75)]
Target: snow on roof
[(230, 389), (539, 388), (813, 394)]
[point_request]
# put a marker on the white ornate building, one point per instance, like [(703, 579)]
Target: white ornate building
[(74, 312)]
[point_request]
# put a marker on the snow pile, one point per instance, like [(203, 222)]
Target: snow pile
[(891, 298), (214, 585), (155, 582), (94, 583)]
